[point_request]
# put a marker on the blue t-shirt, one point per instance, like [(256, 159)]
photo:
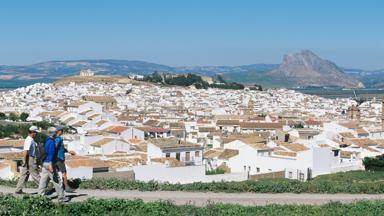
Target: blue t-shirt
[(60, 148), (50, 150)]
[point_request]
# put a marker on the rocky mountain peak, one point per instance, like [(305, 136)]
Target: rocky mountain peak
[(307, 69)]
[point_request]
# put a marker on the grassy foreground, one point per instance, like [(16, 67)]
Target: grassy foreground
[(347, 182), (27, 205)]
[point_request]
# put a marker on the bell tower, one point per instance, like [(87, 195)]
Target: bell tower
[(353, 113)]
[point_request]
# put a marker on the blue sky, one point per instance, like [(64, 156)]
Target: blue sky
[(192, 32)]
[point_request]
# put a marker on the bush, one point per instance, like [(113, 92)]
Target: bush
[(24, 116), (42, 206), (3, 116), (215, 171), (374, 164), (21, 130), (13, 117), (348, 182)]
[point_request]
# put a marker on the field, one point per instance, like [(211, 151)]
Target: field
[(11, 205)]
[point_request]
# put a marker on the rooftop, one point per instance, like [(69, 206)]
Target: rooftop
[(173, 143)]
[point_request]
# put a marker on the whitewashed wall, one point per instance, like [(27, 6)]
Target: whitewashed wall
[(80, 172), (5, 173), (161, 173)]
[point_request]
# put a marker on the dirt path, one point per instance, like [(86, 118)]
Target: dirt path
[(200, 198)]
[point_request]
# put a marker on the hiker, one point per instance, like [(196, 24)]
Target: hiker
[(49, 169), (60, 164), (29, 165)]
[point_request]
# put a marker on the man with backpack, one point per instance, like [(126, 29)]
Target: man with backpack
[(29, 166), (61, 150), (49, 168)]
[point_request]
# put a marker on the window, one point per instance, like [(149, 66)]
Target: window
[(257, 169), (187, 156), (335, 153), (168, 155), (178, 156), (286, 138), (197, 153), (290, 175)]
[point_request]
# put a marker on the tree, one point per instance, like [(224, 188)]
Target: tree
[(24, 116), (44, 124), (3, 116), (374, 163), (13, 117), (298, 125), (40, 137)]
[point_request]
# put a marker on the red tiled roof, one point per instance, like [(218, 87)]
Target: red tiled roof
[(153, 129), (312, 122), (261, 125), (116, 129)]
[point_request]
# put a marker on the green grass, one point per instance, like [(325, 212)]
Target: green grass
[(35, 206), (353, 176), (348, 182)]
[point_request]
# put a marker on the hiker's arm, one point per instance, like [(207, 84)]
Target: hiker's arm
[(25, 154), (25, 158), (70, 152)]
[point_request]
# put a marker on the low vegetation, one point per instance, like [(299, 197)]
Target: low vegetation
[(348, 182), (374, 163), (14, 117), (215, 171), (192, 79), (20, 130), (35, 206)]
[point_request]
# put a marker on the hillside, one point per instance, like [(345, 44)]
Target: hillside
[(299, 69), (60, 69)]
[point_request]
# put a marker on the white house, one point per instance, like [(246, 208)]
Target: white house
[(110, 145), (188, 153)]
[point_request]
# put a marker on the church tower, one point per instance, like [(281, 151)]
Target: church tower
[(249, 110), (353, 113)]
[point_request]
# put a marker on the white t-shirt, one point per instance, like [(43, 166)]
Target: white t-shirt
[(28, 142)]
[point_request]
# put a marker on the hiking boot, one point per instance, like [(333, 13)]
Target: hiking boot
[(20, 192)]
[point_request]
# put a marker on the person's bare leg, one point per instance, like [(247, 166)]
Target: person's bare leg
[(65, 180), (66, 184)]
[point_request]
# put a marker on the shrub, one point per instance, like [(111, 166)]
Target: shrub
[(28, 205), (215, 171), (374, 163), (24, 116), (13, 117), (348, 182)]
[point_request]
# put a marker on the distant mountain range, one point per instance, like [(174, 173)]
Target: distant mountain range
[(299, 69)]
